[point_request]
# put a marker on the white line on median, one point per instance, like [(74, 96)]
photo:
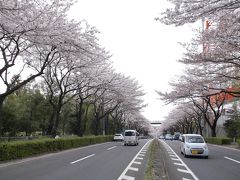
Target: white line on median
[(122, 176), (175, 159), (179, 164), (82, 158), (231, 159), (111, 148), (133, 169), (183, 170), (137, 162), (128, 177), (190, 172)]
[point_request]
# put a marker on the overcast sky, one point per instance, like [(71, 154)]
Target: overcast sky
[(141, 47)]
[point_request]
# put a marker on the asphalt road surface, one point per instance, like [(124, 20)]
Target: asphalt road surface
[(106, 161), (223, 163)]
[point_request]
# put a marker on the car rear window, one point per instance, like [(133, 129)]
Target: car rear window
[(129, 133), (117, 134), (195, 139)]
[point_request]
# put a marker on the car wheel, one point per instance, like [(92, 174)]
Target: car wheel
[(206, 157), (185, 155)]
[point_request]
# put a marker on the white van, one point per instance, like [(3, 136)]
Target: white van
[(130, 137)]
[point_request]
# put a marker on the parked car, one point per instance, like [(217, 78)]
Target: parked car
[(193, 145), (118, 137), (131, 137)]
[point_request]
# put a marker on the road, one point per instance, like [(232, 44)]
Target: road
[(223, 163), (106, 161)]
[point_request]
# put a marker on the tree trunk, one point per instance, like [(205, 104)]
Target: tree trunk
[(97, 122), (79, 110), (85, 120), (213, 128), (51, 123), (2, 98), (56, 122), (107, 125)]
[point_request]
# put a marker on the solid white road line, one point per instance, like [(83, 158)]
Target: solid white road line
[(111, 148), (82, 158), (186, 179), (231, 159)]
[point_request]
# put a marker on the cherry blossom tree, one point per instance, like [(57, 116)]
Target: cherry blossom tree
[(219, 37), (190, 89), (31, 32), (191, 11)]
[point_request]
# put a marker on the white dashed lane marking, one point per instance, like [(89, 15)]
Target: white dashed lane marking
[(111, 148), (82, 159)]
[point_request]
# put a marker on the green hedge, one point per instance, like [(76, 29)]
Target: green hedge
[(218, 140), (15, 150), (238, 141)]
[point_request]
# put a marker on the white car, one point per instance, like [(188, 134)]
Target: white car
[(118, 137), (193, 145)]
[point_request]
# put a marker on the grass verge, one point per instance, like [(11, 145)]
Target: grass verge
[(149, 170), (156, 164)]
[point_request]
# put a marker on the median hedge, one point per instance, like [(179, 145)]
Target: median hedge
[(15, 150), (218, 140)]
